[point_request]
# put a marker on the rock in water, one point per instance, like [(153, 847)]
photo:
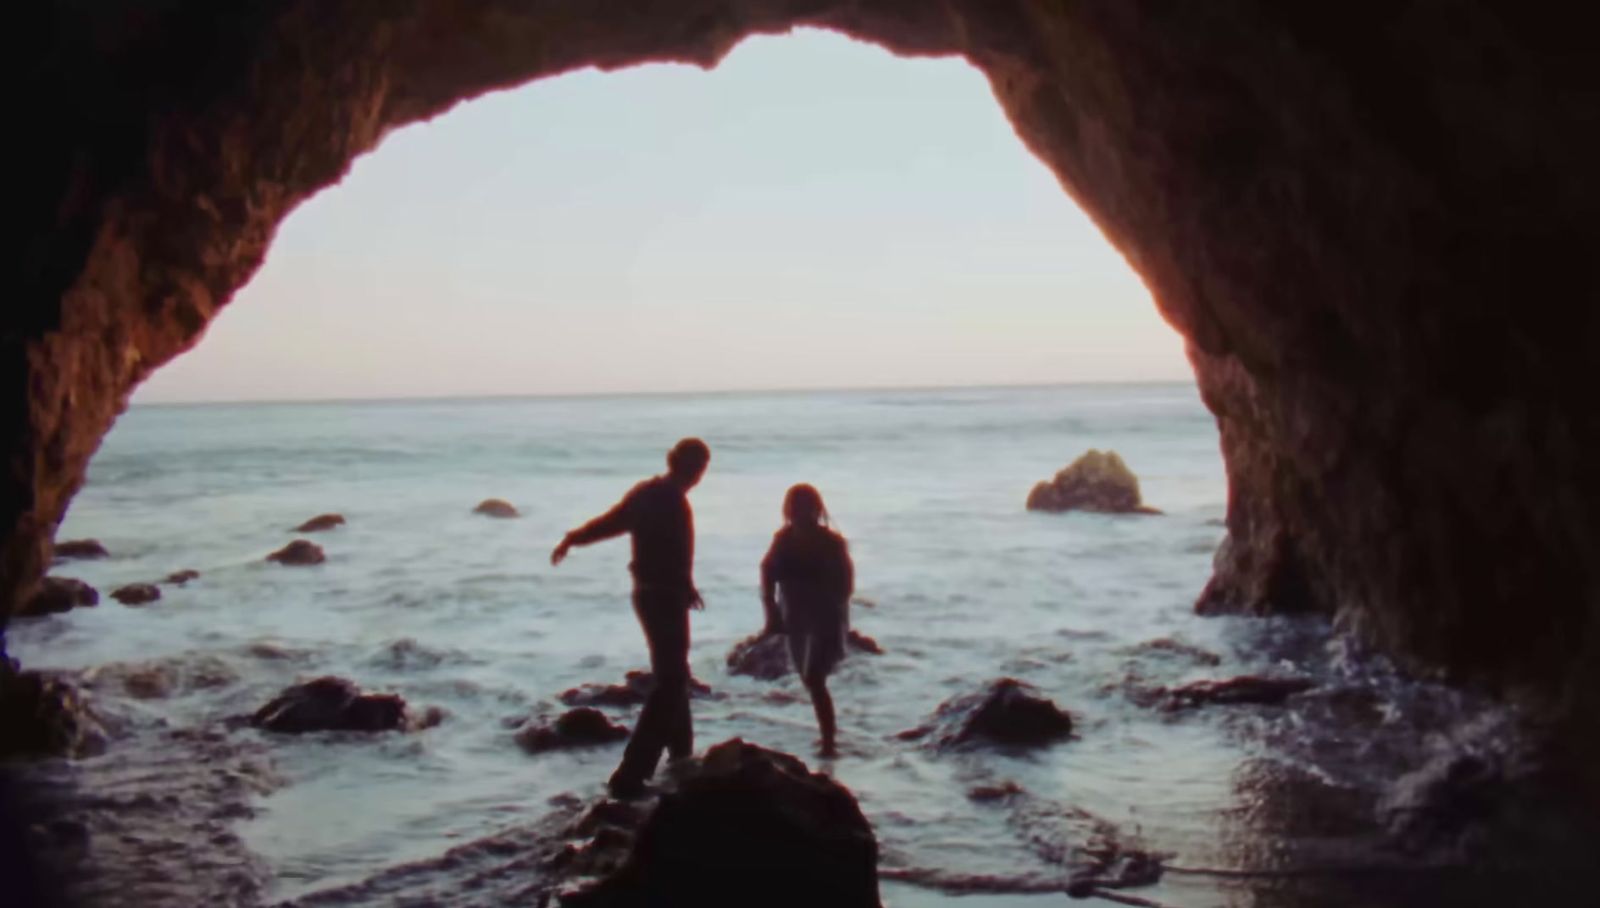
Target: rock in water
[(58, 594), (45, 715), (636, 686), (331, 704), (1007, 712), (182, 577), (581, 727), (299, 552), (495, 507), (747, 826), (1243, 689), (136, 593), (320, 522), (1097, 481), (80, 548), (760, 656), (766, 656)]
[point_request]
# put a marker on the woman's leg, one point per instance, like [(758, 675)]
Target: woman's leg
[(817, 685)]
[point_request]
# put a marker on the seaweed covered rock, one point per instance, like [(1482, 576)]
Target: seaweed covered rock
[(1007, 712), (136, 593), (584, 726), (58, 594), (496, 507), (1097, 481), (320, 523), (331, 704), (299, 553), (633, 690), (80, 548), (746, 825), (45, 715)]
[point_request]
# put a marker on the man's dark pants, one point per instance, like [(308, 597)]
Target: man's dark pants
[(664, 723)]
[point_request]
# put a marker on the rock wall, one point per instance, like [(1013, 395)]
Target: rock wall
[(1371, 221)]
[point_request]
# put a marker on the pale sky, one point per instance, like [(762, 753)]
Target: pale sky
[(813, 213)]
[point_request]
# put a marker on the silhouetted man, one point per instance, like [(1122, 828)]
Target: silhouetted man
[(656, 514)]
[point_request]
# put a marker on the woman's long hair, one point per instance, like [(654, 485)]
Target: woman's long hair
[(802, 505)]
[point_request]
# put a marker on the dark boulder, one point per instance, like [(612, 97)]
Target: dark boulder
[(746, 825), (1007, 712), (1097, 481), (80, 548), (635, 688), (136, 593), (320, 523), (181, 577), (298, 552), (331, 704), (45, 715), (581, 727), (495, 507), (58, 594)]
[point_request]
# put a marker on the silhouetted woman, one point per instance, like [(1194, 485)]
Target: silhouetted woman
[(806, 581)]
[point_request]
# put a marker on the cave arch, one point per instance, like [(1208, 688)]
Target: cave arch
[(1371, 226)]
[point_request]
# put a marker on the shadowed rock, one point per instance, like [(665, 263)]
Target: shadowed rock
[(1097, 481), (766, 656), (581, 727), (331, 704), (1253, 689), (58, 594), (299, 552), (136, 593), (635, 688), (181, 577), (320, 523), (45, 715), (80, 548), (495, 507), (1007, 712), (743, 825)]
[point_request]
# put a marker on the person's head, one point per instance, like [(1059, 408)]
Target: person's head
[(687, 461), (802, 506)]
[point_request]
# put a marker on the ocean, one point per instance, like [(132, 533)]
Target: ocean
[(958, 582)]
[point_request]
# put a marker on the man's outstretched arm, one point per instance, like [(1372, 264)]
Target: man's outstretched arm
[(611, 524)]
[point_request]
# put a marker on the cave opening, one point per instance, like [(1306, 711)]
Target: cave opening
[(1335, 211)]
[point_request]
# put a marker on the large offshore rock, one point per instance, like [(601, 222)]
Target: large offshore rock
[(1096, 481)]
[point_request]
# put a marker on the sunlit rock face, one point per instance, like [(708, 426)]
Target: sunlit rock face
[(1375, 229)]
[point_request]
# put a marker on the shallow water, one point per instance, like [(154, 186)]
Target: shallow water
[(957, 581)]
